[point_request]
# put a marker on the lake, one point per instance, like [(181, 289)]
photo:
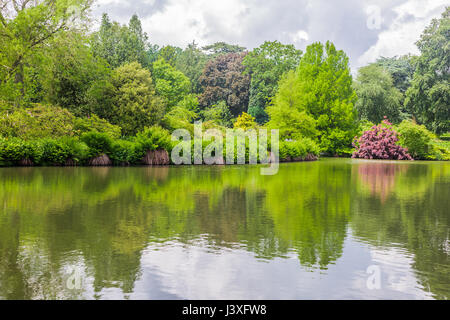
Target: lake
[(331, 229)]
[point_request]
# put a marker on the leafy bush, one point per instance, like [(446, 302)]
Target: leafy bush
[(51, 122), (153, 138), (179, 118), (13, 151), (53, 152), (125, 153), (418, 140), (220, 114), (299, 149), (37, 122), (245, 121), (98, 143), (94, 123), (442, 150), (77, 150), (380, 143), (59, 151)]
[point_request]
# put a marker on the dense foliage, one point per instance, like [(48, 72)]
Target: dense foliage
[(266, 65), (318, 98), (428, 98), (245, 121), (46, 121), (129, 99), (223, 80), (381, 142), (61, 79), (377, 96), (420, 142)]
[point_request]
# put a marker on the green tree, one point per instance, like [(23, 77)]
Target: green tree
[(321, 89), (119, 44), (71, 70), (170, 54), (26, 28), (219, 114), (287, 113), (401, 69), (224, 80), (128, 99), (266, 64), (170, 83), (191, 62), (428, 98), (377, 96)]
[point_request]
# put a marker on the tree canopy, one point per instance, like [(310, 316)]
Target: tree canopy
[(377, 96), (119, 44), (224, 80), (171, 84), (266, 64), (319, 92), (428, 98)]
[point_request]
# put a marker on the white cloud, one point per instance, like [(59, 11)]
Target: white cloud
[(400, 38), (299, 36), (182, 21)]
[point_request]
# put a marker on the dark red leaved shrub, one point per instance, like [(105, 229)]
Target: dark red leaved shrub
[(380, 143)]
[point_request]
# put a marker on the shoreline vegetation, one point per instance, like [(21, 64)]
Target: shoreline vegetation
[(152, 147), (70, 95)]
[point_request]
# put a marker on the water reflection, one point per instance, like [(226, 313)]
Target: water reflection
[(225, 232)]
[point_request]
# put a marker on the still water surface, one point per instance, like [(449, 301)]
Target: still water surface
[(310, 232)]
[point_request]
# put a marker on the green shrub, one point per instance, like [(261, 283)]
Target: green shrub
[(418, 140), (53, 152), (14, 150), (153, 138), (37, 122), (77, 150), (364, 125), (98, 143), (125, 153), (442, 149), (59, 151), (298, 149), (94, 123), (51, 122)]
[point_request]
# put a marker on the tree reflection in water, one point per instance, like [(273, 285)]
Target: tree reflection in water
[(102, 219)]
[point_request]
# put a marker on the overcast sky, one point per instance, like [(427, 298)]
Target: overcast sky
[(364, 29)]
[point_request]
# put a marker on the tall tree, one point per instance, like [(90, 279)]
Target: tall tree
[(119, 44), (321, 88), (377, 96), (266, 64), (224, 80), (428, 98)]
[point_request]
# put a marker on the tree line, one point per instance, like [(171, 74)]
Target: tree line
[(49, 55)]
